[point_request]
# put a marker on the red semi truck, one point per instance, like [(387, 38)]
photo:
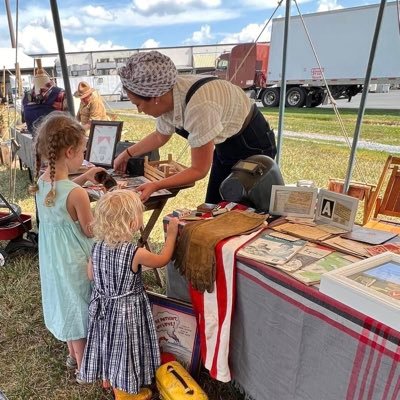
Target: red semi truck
[(342, 39)]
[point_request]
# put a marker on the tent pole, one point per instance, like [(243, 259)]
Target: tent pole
[(61, 52), (10, 24), (283, 85), (361, 109)]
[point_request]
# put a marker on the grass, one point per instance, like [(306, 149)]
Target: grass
[(32, 361)]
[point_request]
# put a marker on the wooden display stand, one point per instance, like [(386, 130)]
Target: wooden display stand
[(156, 170), (359, 190)]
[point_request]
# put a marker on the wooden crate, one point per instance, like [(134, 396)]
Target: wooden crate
[(156, 170)]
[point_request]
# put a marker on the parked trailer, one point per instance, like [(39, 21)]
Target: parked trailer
[(342, 40)]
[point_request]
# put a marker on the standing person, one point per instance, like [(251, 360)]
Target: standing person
[(64, 234), (91, 107), (122, 345), (219, 121)]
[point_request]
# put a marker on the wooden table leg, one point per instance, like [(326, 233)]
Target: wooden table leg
[(145, 233)]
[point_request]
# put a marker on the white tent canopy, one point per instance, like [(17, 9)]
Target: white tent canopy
[(7, 60)]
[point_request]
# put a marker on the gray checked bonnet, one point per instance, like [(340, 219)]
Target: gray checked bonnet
[(149, 74)]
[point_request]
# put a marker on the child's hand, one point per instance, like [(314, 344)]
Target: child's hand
[(91, 172), (172, 229)]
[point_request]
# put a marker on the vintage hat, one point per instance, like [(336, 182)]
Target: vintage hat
[(84, 90)]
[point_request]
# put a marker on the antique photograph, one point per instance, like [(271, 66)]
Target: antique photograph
[(102, 142), (371, 286)]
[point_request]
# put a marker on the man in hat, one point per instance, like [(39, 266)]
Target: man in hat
[(91, 107)]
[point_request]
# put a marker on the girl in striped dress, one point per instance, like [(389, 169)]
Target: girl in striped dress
[(122, 345)]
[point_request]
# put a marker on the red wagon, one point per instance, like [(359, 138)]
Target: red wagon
[(15, 228)]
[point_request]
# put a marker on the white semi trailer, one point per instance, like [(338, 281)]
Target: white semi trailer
[(342, 40)]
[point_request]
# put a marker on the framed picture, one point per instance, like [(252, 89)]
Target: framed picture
[(336, 209), (102, 142), (293, 201), (177, 330), (371, 286)]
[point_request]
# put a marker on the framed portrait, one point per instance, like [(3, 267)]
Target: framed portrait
[(293, 201), (177, 330), (102, 142), (336, 209), (371, 286)]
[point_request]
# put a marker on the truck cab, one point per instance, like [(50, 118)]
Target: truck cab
[(245, 66)]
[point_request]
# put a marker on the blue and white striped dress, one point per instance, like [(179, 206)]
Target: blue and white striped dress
[(122, 345)]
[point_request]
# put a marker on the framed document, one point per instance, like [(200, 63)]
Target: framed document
[(336, 209), (371, 286), (102, 142), (293, 201), (177, 331)]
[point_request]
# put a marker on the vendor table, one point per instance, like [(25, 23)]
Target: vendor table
[(291, 342)]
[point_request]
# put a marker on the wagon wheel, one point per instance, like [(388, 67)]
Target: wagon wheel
[(12, 213)]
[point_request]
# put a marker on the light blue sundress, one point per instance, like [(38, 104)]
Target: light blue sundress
[(64, 251)]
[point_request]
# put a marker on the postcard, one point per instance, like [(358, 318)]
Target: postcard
[(271, 250)]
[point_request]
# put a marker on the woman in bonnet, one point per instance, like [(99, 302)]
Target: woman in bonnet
[(220, 122)]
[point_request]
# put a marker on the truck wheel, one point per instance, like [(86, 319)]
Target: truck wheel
[(270, 97), (295, 97)]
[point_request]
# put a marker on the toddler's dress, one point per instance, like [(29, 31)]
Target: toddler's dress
[(122, 345), (64, 251)]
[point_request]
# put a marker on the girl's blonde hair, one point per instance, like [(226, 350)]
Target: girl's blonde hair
[(55, 133), (118, 214)]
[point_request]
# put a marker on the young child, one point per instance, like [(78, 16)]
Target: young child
[(64, 235), (122, 345)]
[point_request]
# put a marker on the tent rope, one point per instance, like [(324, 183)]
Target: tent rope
[(331, 99), (256, 40)]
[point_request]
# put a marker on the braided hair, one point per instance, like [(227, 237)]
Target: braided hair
[(56, 132)]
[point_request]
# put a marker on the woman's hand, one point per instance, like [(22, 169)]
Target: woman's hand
[(146, 190), (121, 161)]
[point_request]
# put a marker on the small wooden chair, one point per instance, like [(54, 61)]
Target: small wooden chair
[(387, 203)]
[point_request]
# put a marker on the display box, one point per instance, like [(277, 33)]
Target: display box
[(157, 170), (371, 286)]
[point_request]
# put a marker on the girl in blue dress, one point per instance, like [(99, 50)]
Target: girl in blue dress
[(122, 345), (64, 231)]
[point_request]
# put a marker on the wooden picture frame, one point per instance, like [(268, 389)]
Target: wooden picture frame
[(371, 286), (293, 201), (177, 330), (102, 142), (336, 209)]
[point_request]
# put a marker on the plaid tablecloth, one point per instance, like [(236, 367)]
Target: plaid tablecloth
[(288, 341)]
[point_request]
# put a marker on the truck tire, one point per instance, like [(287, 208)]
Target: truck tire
[(295, 97), (270, 97)]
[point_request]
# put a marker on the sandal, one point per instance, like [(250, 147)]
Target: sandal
[(71, 362)]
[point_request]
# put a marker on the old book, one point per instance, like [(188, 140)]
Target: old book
[(367, 235), (271, 250), (309, 254), (311, 274)]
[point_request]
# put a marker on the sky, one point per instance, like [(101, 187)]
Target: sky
[(105, 25)]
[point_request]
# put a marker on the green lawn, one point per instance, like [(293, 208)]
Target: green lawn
[(32, 361)]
